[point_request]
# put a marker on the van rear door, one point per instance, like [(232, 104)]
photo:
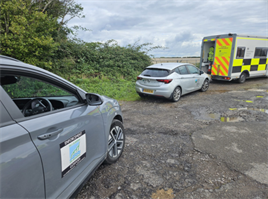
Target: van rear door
[(220, 66)]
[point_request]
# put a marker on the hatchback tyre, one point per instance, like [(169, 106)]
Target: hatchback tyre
[(176, 95), (205, 86), (116, 142)]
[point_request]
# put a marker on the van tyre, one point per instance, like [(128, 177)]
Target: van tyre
[(205, 86), (116, 142), (242, 78), (176, 95)]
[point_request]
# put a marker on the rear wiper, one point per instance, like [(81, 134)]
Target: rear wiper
[(147, 75)]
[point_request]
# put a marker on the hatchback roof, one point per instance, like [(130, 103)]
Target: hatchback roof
[(169, 66)]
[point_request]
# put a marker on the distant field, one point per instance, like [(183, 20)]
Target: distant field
[(176, 60)]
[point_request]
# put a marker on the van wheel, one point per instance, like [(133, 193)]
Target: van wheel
[(176, 95), (242, 78)]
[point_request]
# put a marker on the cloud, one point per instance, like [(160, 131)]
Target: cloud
[(178, 25)]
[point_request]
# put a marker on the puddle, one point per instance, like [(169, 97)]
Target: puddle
[(232, 119), (203, 115), (257, 90), (252, 109), (248, 101)]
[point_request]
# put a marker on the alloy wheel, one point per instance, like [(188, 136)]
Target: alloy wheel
[(205, 85), (116, 142), (177, 94)]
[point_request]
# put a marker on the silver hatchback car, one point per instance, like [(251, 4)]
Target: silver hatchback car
[(53, 135), (171, 80)]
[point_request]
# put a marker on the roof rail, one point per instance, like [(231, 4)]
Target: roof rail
[(9, 58)]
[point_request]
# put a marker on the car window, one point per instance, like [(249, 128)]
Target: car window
[(154, 72), (183, 70), (177, 70), (4, 117), (34, 96), (192, 69)]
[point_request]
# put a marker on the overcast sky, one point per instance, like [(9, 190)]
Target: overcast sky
[(178, 25)]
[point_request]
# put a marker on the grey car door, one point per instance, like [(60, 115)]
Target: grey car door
[(197, 78), (20, 164), (186, 79), (70, 137)]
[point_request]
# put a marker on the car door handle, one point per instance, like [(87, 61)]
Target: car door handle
[(49, 135), (186, 77)]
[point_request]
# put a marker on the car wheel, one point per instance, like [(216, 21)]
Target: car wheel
[(176, 95), (116, 142), (205, 86), (242, 78)]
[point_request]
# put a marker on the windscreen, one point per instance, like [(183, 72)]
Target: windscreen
[(153, 72)]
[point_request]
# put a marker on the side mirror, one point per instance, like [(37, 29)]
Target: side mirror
[(201, 72), (93, 99)]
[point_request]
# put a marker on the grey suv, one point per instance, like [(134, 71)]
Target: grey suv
[(53, 135)]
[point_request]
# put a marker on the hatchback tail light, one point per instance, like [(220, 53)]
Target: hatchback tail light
[(139, 78), (166, 81)]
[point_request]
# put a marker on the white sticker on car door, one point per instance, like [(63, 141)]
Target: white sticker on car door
[(73, 151)]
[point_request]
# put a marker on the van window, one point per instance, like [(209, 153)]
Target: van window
[(260, 52), (240, 53)]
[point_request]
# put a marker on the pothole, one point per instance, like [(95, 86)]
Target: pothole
[(257, 90), (248, 101), (232, 119), (252, 109)]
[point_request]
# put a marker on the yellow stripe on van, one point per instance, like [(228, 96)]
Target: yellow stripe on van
[(255, 61), (246, 67), (261, 67), (252, 38), (238, 62)]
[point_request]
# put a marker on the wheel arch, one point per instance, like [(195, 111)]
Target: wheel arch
[(118, 117), (182, 91), (246, 72)]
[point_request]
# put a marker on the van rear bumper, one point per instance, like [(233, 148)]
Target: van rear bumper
[(221, 78)]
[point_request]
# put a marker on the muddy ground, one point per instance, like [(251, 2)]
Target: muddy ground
[(207, 145)]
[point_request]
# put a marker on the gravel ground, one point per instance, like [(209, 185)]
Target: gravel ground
[(160, 159)]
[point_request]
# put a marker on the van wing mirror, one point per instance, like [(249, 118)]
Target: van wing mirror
[(93, 99)]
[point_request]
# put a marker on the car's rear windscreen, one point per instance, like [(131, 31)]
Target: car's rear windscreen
[(155, 72)]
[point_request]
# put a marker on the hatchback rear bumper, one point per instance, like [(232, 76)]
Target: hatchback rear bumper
[(157, 91)]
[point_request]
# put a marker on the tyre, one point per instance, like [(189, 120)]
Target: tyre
[(242, 78), (205, 86), (116, 142), (176, 95)]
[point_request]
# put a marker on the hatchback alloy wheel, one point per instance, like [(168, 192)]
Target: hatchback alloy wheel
[(116, 142), (176, 95), (205, 86)]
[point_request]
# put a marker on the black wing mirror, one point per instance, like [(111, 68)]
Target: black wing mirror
[(201, 72), (93, 99)]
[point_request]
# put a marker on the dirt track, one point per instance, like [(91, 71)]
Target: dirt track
[(165, 156)]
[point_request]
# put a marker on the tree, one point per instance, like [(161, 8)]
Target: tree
[(26, 33)]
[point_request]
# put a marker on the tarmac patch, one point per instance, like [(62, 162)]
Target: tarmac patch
[(234, 148), (259, 172)]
